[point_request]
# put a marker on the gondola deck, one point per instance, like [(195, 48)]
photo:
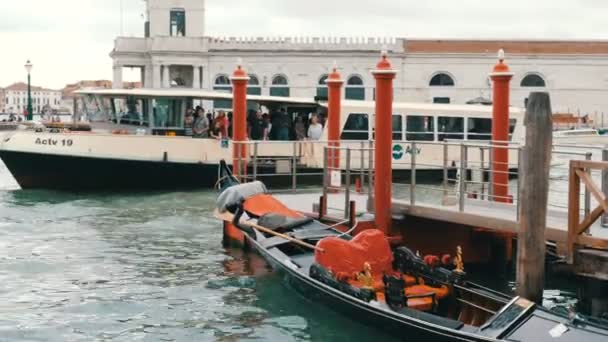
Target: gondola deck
[(467, 312)]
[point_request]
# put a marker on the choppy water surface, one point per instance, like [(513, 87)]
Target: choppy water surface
[(142, 268)]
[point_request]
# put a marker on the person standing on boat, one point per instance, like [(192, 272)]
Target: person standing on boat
[(188, 124), (300, 128), (282, 125), (222, 119), (258, 129), (201, 125), (315, 130)]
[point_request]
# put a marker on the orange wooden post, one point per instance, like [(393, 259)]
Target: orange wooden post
[(384, 75), (239, 119), (334, 84), (501, 77)]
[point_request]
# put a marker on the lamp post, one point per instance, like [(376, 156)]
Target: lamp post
[(28, 68)]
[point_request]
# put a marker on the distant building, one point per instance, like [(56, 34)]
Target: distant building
[(15, 99), (3, 101), (175, 52), (67, 93)]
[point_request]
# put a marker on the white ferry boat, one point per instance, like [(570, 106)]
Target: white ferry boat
[(136, 139)]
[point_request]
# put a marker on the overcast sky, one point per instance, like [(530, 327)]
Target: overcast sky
[(69, 40)]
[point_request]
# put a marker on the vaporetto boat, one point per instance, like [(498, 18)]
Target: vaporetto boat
[(136, 139)]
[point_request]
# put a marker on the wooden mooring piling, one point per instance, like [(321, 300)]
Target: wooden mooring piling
[(534, 194)]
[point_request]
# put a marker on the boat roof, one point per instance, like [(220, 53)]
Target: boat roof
[(217, 95), (429, 107), (192, 93)]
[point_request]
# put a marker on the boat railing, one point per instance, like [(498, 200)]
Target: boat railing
[(444, 173)]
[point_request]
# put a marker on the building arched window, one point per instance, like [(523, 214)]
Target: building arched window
[(222, 83), (253, 87), (280, 86), (322, 88), (355, 90), (442, 80), (533, 80)]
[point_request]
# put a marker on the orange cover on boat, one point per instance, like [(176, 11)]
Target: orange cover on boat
[(259, 205), (347, 257)]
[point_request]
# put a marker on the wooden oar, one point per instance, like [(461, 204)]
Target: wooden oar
[(228, 217)]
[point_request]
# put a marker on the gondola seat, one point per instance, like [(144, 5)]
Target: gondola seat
[(278, 222)]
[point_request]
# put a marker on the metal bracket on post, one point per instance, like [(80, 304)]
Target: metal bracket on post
[(463, 177), (482, 173), (520, 161), (588, 157), (491, 187), (413, 176), (604, 219), (294, 168), (370, 173), (255, 161), (361, 174), (325, 174), (347, 186), (445, 170)]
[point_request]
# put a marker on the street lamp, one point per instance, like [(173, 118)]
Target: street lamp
[(28, 68)]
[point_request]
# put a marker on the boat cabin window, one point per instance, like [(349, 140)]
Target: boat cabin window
[(450, 128), (130, 111), (96, 108), (420, 128), (168, 113), (481, 128), (397, 128), (356, 127)]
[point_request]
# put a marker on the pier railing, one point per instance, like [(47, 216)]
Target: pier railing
[(580, 172), (449, 173)]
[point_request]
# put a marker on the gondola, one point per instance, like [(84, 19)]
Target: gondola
[(396, 290)]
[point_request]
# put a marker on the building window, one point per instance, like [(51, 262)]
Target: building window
[(442, 80), (441, 100), (355, 89), (253, 88), (178, 23), (322, 92), (222, 84), (533, 80), (280, 86)]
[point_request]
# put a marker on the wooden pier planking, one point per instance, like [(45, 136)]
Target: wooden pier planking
[(499, 217)]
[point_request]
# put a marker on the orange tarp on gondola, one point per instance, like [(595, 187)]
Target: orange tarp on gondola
[(348, 257), (259, 205)]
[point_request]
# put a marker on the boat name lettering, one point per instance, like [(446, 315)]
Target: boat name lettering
[(54, 142)]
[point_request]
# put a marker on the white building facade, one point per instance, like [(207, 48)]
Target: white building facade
[(15, 99), (176, 53)]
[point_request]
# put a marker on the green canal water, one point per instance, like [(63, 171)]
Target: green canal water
[(146, 267)]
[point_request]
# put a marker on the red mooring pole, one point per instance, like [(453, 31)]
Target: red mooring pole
[(501, 77), (239, 119), (384, 75), (334, 84)]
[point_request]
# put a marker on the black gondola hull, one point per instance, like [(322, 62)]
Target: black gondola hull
[(392, 323)]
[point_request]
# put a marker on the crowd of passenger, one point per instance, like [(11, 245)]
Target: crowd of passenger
[(278, 125)]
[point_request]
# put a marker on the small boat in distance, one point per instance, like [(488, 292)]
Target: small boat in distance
[(393, 290)]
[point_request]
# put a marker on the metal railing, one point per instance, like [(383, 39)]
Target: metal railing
[(447, 173)]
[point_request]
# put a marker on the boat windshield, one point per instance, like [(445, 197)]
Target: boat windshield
[(176, 116)]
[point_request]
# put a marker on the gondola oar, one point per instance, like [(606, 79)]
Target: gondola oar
[(228, 217)]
